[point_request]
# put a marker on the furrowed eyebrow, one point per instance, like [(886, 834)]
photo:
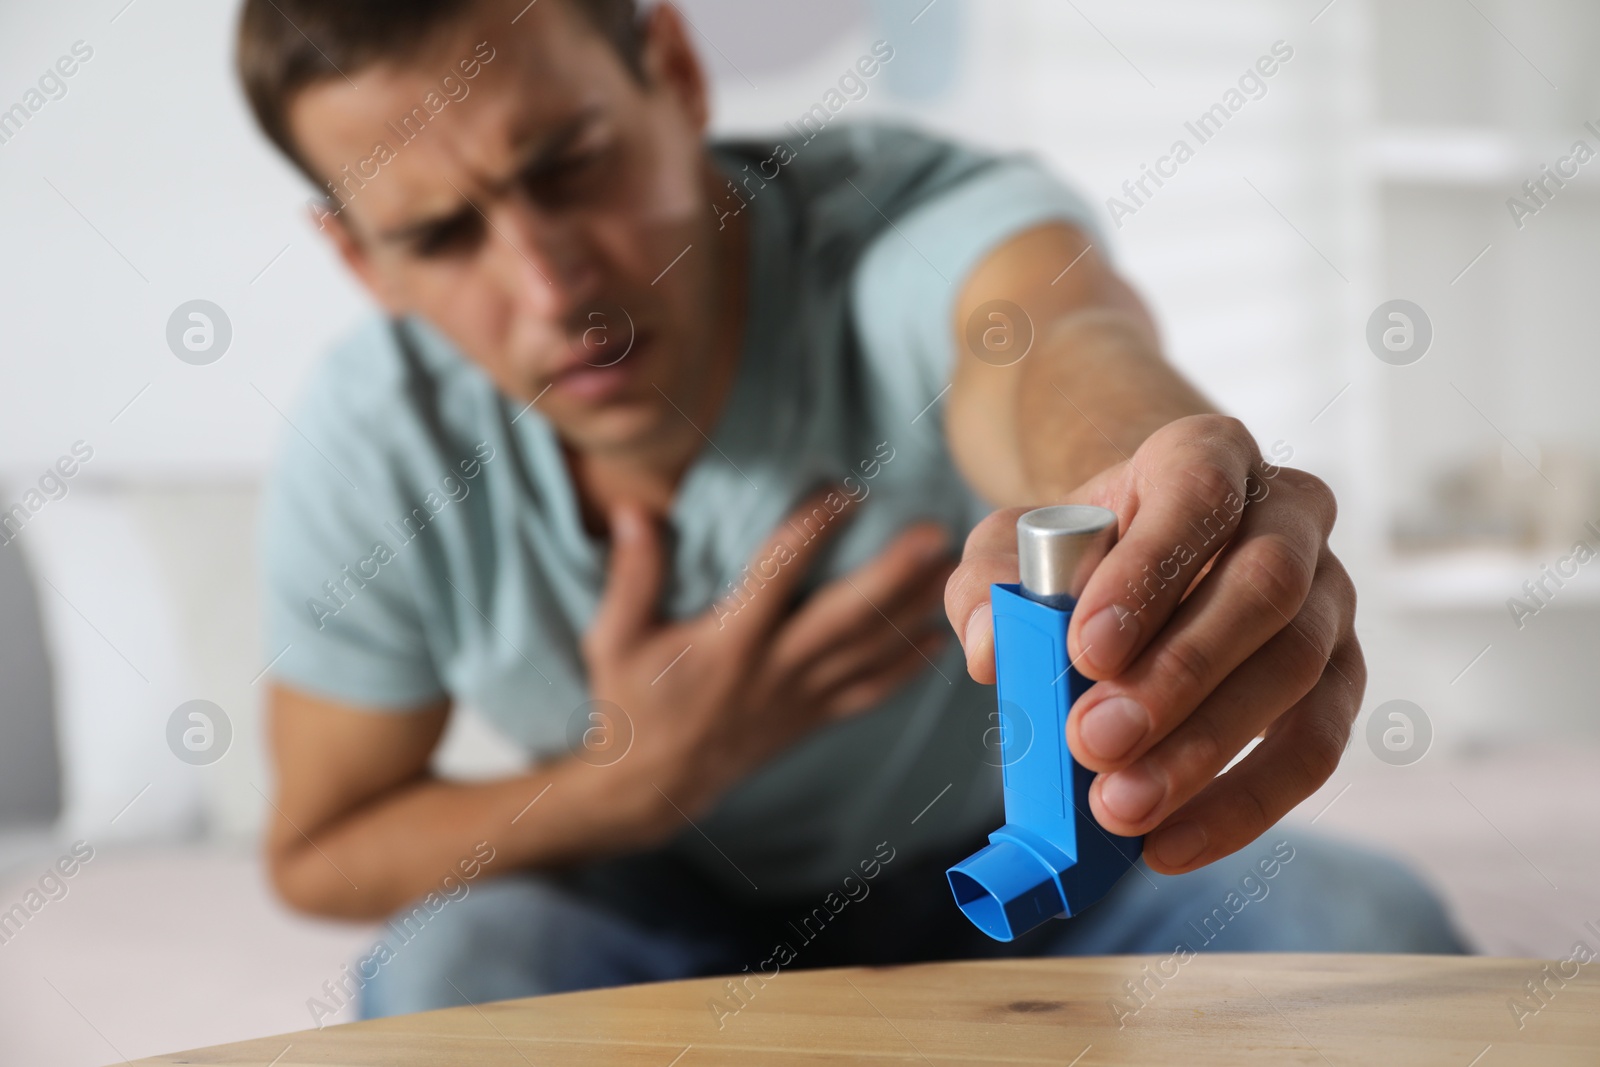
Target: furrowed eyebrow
[(546, 155), (537, 158), (414, 231)]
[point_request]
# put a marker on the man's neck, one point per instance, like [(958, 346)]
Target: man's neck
[(649, 475)]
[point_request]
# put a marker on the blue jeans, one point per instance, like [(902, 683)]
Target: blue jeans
[(652, 918)]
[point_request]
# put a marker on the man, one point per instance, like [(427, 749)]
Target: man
[(658, 459)]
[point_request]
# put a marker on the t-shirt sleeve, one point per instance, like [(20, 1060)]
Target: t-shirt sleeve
[(341, 618), (906, 285)]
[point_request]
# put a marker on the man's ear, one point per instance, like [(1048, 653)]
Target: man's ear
[(356, 257), (671, 64)]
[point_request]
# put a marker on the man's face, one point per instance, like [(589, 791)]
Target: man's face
[(535, 218)]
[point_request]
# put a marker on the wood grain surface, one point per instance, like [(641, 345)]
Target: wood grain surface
[(1213, 1009)]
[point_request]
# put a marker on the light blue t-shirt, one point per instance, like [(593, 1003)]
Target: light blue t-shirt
[(422, 537)]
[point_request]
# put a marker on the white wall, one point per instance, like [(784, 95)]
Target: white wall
[(140, 189)]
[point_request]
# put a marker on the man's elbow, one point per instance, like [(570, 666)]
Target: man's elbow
[(306, 882), (286, 875)]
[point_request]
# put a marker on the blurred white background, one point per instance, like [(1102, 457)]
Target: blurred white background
[(1377, 165)]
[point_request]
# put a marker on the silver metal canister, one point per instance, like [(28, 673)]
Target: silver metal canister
[(1058, 548)]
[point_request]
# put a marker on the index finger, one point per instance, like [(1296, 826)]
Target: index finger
[(1187, 498), (874, 591), (773, 576)]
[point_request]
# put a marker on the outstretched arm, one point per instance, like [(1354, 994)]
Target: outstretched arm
[(1221, 615)]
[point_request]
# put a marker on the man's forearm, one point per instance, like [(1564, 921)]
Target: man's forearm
[(401, 845), (1090, 388), (1095, 387)]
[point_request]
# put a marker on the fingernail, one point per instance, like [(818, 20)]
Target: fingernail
[(977, 624), (1112, 728), (1107, 639), (1176, 846), (1132, 793)]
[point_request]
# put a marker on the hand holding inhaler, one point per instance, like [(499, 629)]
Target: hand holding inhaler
[(1050, 858)]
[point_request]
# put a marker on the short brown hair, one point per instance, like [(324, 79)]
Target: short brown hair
[(286, 46)]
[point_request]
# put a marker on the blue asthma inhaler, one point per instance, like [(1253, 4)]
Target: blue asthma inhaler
[(1050, 859)]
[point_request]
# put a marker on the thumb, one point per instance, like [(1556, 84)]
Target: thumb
[(633, 581)]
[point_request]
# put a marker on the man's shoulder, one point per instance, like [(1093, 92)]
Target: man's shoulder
[(853, 176), (363, 370), (879, 144), (386, 389), (383, 373)]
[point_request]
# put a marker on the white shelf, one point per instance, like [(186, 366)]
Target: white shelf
[(1485, 579), (1466, 156)]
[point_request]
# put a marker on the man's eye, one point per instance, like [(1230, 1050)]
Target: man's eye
[(575, 163), (560, 177), (457, 235)]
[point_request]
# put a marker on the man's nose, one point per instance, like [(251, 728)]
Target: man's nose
[(546, 256)]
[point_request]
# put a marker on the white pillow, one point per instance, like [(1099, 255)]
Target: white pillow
[(116, 659)]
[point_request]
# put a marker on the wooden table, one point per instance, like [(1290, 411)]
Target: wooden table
[(1210, 1009)]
